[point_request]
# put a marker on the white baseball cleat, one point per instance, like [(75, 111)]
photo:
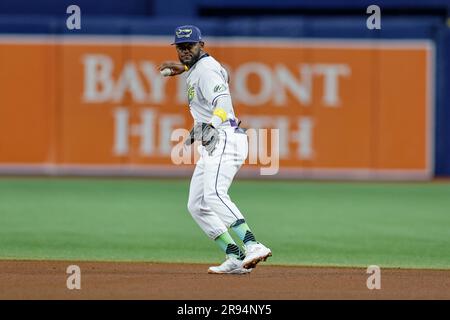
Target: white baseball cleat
[(231, 266), (255, 253)]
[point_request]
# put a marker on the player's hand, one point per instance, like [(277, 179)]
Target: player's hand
[(206, 133), (191, 139), (210, 137), (176, 67)]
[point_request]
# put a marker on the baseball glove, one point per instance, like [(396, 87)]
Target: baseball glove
[(206, 133)]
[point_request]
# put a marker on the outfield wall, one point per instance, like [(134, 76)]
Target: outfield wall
[(349, 103)]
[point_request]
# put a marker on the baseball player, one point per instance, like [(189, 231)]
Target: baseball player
[(223, 150)]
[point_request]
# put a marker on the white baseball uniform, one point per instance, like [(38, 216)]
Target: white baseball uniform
[(209, 202)]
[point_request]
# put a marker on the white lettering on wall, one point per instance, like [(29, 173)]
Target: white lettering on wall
[(98, 82), (331, 74), (300, 88), (241, 80), (145, 85), (145, 130)]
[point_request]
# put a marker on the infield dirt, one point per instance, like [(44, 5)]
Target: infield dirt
[(155, 281)]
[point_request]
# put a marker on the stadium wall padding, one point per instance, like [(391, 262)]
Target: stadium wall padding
[(395, 30)]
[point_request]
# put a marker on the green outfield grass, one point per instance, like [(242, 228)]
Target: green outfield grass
[(305, 223)]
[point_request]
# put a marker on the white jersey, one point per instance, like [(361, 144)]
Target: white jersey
[(209, 202), (207, 81)]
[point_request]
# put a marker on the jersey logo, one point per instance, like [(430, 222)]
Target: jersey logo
[(220, 88), (191, 93), (184, 33)]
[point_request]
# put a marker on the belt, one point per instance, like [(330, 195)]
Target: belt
[(235, 124)]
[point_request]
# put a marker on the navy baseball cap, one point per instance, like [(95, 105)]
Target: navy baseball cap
[(187, 33)]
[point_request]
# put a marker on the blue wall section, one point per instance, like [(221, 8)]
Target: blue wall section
[(325, 3), (191, 8), (90, 7), (442, 154), (156, 17)]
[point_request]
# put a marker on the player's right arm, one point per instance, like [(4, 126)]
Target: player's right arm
[(176, 67)]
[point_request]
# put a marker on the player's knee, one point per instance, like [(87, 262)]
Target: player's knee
[(212, 199)]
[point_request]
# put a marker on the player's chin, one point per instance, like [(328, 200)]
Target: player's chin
[(186, 61)]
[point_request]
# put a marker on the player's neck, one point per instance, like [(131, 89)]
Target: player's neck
[(201, 56)]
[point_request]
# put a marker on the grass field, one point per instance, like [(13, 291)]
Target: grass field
[(304, 223)]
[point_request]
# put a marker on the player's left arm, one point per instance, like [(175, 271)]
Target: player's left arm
[(215, 89)]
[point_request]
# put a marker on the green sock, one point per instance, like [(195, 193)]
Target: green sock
[(227, 244), (243, 232)]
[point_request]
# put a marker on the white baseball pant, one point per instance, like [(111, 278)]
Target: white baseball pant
[(209, 202)]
